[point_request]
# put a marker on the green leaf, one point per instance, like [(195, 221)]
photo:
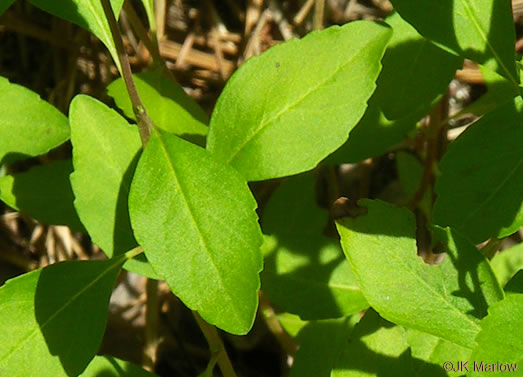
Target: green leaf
[(320, 344), (284, 111), (302, 265), (195, 218), (407, 85), (507, 263), (44, 193), (373, 134), (29, 126), (149, 10), (88, 14), (167, 104), (381, 248), (5, 4), (435, 351), (53, 319), (480, 30), (107, 366), (292, 323), (500, 342), (105, 151), (515, 285), (409, 79), (479, 190), (410, 174), (375, 348)]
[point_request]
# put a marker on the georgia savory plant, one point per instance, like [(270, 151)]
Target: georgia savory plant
[(176, 206)]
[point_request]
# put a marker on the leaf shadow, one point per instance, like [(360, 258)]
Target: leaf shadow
[(299, 260), (466, 261), (45, 193), (304, 290), (493, 206), (372, 135), (409, 81), (353, 355), (123, 237), (116, 371), (70, 300)]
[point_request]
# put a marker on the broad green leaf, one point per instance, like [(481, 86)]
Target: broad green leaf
[(195, 218), (480, 30), (373, 134), (500, 345), (435, 351), (5, 4), (105, 151), (29, 126), (375, 348), (107, 366), (507, 263), (480, 190), (53, 319), (454, 295), (44, 193), (302, 265), (407, 85), (320, 344), (284, 111), (410, 79), (88, 14), (167, 104)]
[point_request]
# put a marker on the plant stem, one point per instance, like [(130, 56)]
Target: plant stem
[(151, 325), (151, 44), (134, 252), (436, 132), (490, 249), (287, 343), (144, 122), (319, 10), (140, 30), (160, 9), (216, 346)]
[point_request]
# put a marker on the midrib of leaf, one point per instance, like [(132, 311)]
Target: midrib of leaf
[(431, 289), (491, 195), (298, 101), (203, 242), (63, 307), (482, 33)]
